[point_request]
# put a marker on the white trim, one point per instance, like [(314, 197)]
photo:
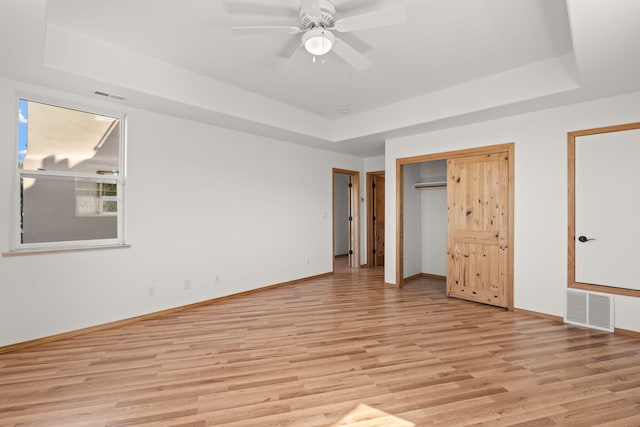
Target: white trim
[(122, 174), (111, 179), (40, 251), (89, 107), (14, 215), (70, 244)]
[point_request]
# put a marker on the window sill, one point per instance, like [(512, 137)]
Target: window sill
[(25, 252)]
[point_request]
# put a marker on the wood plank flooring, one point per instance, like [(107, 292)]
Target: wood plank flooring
[(311, 354)]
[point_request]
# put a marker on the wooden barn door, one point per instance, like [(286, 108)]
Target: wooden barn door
[(478, 228)]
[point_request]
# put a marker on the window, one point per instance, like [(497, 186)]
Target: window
[(70, 182)]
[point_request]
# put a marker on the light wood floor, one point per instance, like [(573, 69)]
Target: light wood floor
[(311, 353)]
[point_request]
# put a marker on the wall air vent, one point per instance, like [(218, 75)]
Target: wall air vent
[(109, 95), (590, 309)]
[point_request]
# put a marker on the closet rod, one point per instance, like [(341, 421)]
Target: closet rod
[(434, 184)]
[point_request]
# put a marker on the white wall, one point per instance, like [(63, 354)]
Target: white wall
[(200, 201), (434, 231), (340, 214), (434, 218), (412, 222), (540, 192), (374, 164)]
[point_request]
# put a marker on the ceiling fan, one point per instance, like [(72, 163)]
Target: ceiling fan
[(318, 23)]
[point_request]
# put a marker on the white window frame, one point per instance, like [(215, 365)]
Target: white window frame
[(119, 179)]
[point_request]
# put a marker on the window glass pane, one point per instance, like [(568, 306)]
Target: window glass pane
[(60, 139), (109, 190), (62, 209), (69, 169), (109, 207), (22, 132), (87, 198)]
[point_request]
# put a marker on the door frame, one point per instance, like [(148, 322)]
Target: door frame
[(571, 234), (370, 201), (491, 149), (354, 235)]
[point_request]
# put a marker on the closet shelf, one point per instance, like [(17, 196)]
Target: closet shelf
[(431, 184)]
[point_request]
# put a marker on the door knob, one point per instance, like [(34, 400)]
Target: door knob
[(584, 239)]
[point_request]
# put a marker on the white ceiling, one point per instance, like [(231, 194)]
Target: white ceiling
[(453, 62), (482, 38)]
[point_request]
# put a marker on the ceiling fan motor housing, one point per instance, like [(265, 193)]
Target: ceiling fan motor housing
[(325, 20)]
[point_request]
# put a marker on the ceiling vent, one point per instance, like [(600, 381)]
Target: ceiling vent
[(590, 309), (109, 95)]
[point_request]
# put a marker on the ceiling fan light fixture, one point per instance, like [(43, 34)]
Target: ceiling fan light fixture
[(318, 41)]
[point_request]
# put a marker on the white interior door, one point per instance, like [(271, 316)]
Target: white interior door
[(607, 209)]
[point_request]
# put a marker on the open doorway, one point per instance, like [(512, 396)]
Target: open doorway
[(425, 219), (346, 217)]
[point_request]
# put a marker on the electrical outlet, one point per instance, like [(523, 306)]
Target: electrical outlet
[(151, 291), (217, 279), (187, 284)]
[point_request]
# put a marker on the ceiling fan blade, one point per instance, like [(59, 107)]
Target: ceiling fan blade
[(351, 7), (311, 8), (376, 19), (355, 42), (248, 31), (350, 55), (259, 9), (289, 48), (293, 58)]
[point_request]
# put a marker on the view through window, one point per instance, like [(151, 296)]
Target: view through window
[(69, 164)]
